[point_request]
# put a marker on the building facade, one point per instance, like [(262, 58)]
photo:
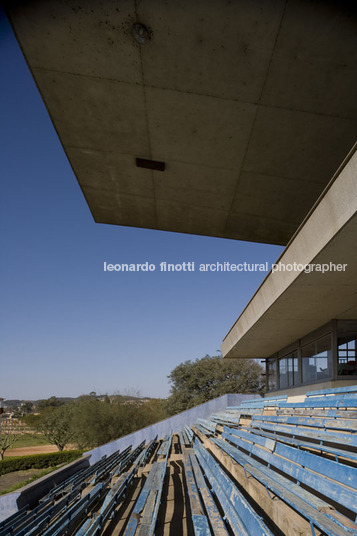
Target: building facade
[(325, 356)]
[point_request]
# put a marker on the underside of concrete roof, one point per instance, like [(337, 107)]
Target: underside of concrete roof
[(242, 110)]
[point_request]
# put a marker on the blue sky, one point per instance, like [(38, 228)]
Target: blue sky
[(68, 327)]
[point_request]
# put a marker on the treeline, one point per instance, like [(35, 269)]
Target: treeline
[(89, 422)]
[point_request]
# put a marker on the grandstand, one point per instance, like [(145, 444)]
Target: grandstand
[(264, 131), (268, 466)]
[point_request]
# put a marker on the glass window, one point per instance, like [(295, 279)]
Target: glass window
[(346, 348), (293, 369), (283, 373), (288, 371), (271, 369), (317, 360), (346, 356)]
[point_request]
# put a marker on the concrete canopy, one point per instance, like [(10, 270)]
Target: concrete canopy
[(290, 304), (250, 105)]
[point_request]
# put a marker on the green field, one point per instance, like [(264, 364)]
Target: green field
[(13, 481), (29, 440)]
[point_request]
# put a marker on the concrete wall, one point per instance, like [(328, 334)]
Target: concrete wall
[(8, 504)]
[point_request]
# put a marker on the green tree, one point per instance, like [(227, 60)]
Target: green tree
[(92, 421), (97, 422), (31, 420), (155, 410), (27, 407), (196, 382), (7, 438), (52, 402), (56, 425)]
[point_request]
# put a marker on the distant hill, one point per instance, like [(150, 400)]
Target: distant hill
[(15, 403)]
